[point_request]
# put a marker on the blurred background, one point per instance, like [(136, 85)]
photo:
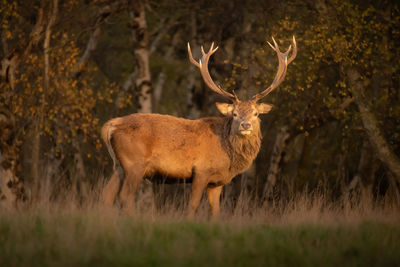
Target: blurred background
[(67, 66)]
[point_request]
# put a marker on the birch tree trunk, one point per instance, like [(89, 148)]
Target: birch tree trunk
[(140, 37), (11, 187), (192, 109), (158, 88), (382, 148), (276, 157), (12, 190), (46, 85)]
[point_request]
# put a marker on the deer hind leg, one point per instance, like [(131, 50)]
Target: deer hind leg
[(113, 186), (111, 189), (213, 194), (134, 175)]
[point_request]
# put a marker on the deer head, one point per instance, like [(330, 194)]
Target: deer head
[(244, 113)]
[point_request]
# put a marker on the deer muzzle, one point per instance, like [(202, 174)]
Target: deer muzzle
[(245, 128)]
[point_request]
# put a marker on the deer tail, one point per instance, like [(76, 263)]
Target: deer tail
[(106, 133)]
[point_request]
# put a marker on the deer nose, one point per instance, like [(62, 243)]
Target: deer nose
[(246, 125)]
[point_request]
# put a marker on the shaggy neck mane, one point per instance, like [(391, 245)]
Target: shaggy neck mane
[(242, 150)]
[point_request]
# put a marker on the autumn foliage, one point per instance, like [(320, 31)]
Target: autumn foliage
[(338, 106)]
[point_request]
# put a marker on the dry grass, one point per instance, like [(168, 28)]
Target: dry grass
[(300, 208), (304, 230)]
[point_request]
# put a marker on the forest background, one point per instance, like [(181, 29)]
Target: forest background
[(69, 66)]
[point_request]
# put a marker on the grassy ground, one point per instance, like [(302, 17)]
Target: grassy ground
[(96, 237), (306, 230)]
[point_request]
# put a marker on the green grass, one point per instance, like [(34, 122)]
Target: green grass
[(93, 238)]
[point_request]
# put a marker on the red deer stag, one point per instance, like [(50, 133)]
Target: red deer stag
[(209, 151)]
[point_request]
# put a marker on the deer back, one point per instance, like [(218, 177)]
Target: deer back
[(169, 145)]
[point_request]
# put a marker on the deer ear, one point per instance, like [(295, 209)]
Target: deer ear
[(264, 108), (224, 108)]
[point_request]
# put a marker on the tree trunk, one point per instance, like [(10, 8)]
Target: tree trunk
[(276, 157), (35, 163), (46, 44), (11, 60), (192, 109), (46, 85), (79, 174), (161, 77), (140, 37), (11, 187), (91, 45), (382, 148), (52, 171), (158, 90), (365, 175), (128, 85), (12, 191)]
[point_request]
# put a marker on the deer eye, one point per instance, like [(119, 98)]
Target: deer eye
[(255, 113), (235, 114)]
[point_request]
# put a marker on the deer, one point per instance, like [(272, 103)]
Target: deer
[(209, 151)]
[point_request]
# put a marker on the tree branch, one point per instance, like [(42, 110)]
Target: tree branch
[(46, 43), (101, 17), (384, 153), (11, 61), (162, 31)]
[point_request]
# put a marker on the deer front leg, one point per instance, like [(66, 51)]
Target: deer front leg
[(213, 194), (198, 186)]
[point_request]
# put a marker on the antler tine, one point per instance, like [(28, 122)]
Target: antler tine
[(236, 97), (282, 68), (202, 50), (294, 54), (194, 62), (275, 47), (203, 66)]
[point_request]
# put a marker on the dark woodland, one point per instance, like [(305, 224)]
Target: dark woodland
[(68, 66)]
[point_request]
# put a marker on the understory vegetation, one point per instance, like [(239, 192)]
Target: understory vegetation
[(304, 231), (69, 66)]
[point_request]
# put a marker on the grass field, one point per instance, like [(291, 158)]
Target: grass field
[(302, 233), (92, 239)]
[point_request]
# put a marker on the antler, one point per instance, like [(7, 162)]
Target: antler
[(282, 67), (203, 66)]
